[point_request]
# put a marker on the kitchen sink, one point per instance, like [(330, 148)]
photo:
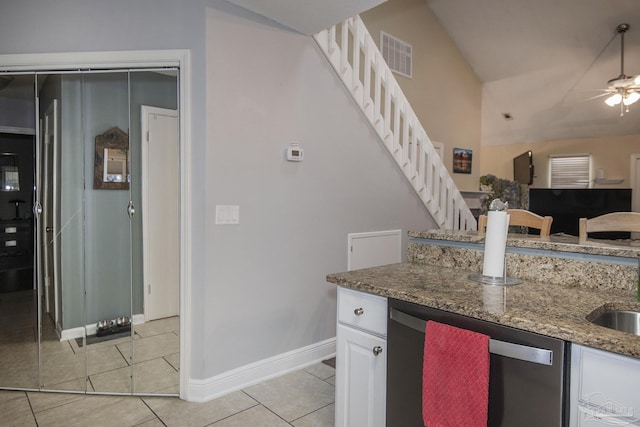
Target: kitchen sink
[(620, 320)]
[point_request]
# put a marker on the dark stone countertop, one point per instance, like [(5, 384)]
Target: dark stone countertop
[(554, 310)]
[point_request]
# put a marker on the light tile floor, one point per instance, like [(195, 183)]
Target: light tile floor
[(303, 398), (150, 355)]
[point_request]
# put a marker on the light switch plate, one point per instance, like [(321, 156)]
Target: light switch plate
[(227, 214)]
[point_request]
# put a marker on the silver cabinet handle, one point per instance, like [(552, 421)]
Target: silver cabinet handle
[(358, 311), (377, 350)]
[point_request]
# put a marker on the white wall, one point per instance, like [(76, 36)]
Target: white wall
[(266, 87)]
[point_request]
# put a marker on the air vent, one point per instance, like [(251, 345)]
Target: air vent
[(397, 53)]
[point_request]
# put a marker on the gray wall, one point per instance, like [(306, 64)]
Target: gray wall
[(258, 287), (266, 292)]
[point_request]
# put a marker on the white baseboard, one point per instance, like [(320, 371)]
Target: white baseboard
[(73, 333), (255, 373), (137, 319)]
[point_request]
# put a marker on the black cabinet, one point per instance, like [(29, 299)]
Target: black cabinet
[(16, 244)]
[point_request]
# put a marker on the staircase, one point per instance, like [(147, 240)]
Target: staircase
[(359, 63)]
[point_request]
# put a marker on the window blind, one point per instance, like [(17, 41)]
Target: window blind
[(571, 171)]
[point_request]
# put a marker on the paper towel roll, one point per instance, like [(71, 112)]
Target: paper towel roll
[(494, 243)]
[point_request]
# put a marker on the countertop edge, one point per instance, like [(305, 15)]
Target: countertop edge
[(574, 327)]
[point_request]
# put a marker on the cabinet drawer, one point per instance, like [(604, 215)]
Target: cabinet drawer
[(363, 311)]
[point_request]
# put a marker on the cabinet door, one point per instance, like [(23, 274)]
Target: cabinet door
[(361, 364), (603, 388)]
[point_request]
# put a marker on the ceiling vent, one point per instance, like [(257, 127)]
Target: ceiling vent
[(397, 53)]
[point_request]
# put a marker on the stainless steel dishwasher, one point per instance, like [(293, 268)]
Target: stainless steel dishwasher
[(528, 381)]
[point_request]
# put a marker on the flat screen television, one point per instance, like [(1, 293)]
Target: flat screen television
[(523, 168), (567, 206)]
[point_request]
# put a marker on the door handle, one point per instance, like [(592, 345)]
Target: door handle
[(540, 356), (49, 229), (131, 210)]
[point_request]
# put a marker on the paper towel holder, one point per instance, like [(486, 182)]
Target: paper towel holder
[(496, 281)]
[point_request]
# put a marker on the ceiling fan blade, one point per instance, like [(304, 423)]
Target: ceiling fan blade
[(597, 96)]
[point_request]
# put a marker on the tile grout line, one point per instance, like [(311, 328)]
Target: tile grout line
[(313, 412), (33, 413), (153, 412)]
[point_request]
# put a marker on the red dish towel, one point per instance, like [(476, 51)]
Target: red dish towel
[(455, 377)]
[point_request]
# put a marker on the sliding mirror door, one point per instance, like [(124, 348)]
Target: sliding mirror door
[(100, 314), (107, 241), (155, 178), (60, 230), (18, 293)]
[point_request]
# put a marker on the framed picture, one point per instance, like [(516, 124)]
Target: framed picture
[(462, 160)]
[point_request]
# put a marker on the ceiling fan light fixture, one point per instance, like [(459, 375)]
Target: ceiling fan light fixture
[(630, 98), (624, 89), (613, 100)]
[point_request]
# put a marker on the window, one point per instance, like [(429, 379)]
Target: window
[(397, 53), (570, 171)]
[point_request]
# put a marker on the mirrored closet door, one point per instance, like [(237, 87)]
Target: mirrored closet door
[(99, 313)]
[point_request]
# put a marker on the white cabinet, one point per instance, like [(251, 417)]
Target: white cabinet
[(603, 388), (361, 359)]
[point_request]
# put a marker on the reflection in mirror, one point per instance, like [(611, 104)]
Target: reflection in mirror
[(107, 228), (115, 165), (155, 231), (9, 175), (18, 298), (111, 168), (94, 261)]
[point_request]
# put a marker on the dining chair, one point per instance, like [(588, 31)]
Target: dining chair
[(523, 218), (616, 221)]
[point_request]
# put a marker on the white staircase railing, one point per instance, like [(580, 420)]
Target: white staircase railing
[(359, 63)]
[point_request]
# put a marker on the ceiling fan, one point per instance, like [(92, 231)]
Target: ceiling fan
[(624, 89)]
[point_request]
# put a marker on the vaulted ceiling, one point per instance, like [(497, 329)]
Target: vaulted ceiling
[(540, 61)]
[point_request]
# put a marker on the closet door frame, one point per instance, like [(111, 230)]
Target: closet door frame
[(179, 58)]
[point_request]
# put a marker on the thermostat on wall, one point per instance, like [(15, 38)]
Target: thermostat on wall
[(295, 153)]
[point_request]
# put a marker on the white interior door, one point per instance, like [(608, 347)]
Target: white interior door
[(374, 249), (160, 222)]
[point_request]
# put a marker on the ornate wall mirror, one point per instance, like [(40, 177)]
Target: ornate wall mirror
[(9, 173), (111, 169)]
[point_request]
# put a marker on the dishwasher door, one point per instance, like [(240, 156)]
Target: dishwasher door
[(527, 382)]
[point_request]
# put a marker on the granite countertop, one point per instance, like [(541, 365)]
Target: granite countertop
[(553, 310), (555, 242)]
